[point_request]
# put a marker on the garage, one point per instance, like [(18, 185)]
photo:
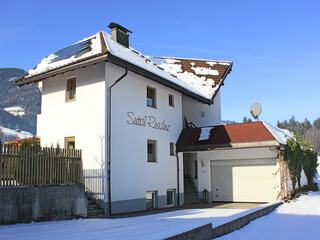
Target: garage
[(244, 180), (236, 162)]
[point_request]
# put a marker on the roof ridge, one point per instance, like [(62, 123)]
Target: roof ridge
[(231, 124), (193, 59)]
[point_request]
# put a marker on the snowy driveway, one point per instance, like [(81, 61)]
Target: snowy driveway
[(155, 226), (299, 219)]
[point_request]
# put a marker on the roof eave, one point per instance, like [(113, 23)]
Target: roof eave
[(213, 147), (51, 73), (222, 82)]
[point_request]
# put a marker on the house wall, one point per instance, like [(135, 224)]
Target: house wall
[(83, 118), (131, 174), (201, 114)]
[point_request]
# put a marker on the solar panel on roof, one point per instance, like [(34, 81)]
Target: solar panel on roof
[(76, 50)]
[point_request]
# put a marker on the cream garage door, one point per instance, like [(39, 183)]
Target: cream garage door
[(244, 180)]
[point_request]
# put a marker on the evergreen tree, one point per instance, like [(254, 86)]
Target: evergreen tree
[(246, 119)]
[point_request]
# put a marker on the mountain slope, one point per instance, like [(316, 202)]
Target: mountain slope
[(27, 97)]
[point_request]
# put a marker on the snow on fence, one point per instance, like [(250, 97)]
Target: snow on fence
[(37, 166), (94, 182)]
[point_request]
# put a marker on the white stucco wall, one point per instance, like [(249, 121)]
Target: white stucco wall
[(83, 118), (131, 174), (201, 114)]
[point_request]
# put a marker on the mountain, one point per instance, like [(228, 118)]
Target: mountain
[(27, 97)]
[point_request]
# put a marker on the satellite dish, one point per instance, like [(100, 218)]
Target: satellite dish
[(255, 110)]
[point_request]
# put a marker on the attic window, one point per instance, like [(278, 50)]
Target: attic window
[(71, 89)]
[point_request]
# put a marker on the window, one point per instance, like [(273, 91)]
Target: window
[(170, 197), (171, 149), (69, 143), (171, 100), (151, 199), (151, 151), (151, 97), (195, 170), (71, 89)]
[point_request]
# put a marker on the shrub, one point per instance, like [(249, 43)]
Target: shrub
[(301, 156), (310, 164)]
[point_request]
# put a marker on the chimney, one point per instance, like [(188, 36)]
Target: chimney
[(119, 34)]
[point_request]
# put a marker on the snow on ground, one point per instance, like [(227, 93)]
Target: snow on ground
[(299, 219), (155, 226), (9, 134)]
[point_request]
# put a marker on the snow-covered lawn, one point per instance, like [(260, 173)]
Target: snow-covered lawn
[(299, 219), (155, 226)]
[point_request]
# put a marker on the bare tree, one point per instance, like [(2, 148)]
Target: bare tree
[(313, 137)]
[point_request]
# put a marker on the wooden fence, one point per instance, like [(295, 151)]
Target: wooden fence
[(37, 166)]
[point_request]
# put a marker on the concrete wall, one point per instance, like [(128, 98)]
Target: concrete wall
[(26, 204), (200, 233), (83, 118)]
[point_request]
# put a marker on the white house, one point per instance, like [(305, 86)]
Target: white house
[(126, 111)]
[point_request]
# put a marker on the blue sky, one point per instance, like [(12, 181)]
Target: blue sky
[(275, 45)]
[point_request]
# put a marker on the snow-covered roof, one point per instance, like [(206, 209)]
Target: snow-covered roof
[(16, 110), (230, 135), (88, 47), (280, 134), (204, 75), (200, 77)]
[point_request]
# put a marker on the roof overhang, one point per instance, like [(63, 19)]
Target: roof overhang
[(118, 61), (217, 147), (163, 81), (71, 67)]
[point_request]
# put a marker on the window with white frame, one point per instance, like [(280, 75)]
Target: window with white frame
[(171, 197), (71, 89), (151, 149), (151, 97), (151, 199)]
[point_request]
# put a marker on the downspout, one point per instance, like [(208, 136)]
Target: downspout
[(109, 135), (178, 180)]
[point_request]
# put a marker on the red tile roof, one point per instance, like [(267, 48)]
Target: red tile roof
[(225, 135)]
